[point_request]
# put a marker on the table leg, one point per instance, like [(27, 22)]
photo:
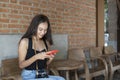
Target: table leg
[(67, 75), (76, 75)]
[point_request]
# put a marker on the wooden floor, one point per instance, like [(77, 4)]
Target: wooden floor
[(116, 77)]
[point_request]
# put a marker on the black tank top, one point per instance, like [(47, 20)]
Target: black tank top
[(42, 64)]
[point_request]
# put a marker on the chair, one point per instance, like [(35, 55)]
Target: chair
[(113, 59), (54, 71), (98, 63), (0, 71), (78, 54), (96, 69), (10, 69)]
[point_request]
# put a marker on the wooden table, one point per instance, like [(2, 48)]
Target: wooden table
[(67, 65)]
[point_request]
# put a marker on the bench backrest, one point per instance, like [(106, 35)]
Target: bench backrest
[(10, 67)]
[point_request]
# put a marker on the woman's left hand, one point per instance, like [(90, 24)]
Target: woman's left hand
[(51, 57)]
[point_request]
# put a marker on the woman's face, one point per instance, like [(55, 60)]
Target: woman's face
[(42, 29)]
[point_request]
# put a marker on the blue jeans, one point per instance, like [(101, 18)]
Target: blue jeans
[(30, 75)]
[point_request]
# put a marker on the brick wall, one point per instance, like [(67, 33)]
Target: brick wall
[(77, 18)]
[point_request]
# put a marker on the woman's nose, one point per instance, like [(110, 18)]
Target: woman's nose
[(43, 32)]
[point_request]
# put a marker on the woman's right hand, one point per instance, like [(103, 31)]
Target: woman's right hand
[(43, 55)]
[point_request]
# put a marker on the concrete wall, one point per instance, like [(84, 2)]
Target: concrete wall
[(9, 46)]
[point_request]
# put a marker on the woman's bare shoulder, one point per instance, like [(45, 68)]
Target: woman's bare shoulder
[(24, 42)]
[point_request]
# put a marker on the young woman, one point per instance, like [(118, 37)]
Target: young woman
[(33, 50)]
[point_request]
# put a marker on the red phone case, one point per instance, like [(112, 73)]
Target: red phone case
[(52, 52)]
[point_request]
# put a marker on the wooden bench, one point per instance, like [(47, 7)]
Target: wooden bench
[(10, 69)]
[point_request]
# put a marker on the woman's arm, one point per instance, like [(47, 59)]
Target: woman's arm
[(50, 60), (22, 51)]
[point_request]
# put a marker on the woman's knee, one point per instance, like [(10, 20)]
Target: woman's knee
[(57, 77), (27, 74)]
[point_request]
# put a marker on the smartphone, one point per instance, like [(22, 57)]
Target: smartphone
[(52, 52)]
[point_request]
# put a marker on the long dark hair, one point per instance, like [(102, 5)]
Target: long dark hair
[(32, 29)]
